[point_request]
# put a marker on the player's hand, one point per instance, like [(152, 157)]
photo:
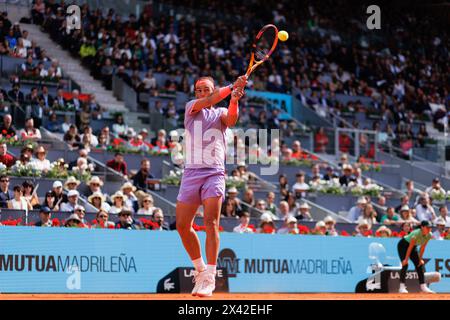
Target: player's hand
[(405, 262), (241, 82), (421, 262), (237, 94)]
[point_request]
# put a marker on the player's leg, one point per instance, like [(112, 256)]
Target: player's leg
[(420, 270), (211, 215), (402, 248), (185, 214)]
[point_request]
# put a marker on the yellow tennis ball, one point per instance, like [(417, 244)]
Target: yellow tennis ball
[(283, 35)]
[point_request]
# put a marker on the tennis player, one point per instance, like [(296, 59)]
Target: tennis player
[(407, 249), (203, 181)]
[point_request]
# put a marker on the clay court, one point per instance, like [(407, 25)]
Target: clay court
[(227, 296)]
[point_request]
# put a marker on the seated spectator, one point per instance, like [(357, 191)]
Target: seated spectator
[(92, 139), (127, 222), (40, 162), (330, 224), (73, 221), (102, 142), (137, 144), (406, 216), (270, 202), (60, 195), (404, 201), (5, 158), (368, 214), (30, 194), (149, 82), (357, 177), (5, 193), (106, 133), (18, 202), (436, 187), (321, 141), (72, 138), (290, 226), (16, 96), (243, 226), (315, 172), (161, 143), (405, 228), (45, 218), (283, 210), (71, 183), (118, 164), (424, 210), (229, 208), (119, 128), (304, 212), (440, 229), (356, 211), (346, 177), (53, 124), (363, 228), (383, 232), (329, 175), (72, 201), (75, 100), (30, 132), (232, 194), (158, 218), (267, 225), (410, 192), (118, 203), (95, 184), (443, 215), (129, 191), (101, 220), (50, 201), (320, 228), (381, 207), (141, 177), (147, 207), (98, 201), (390, 218), (300, 187), (7, 129)]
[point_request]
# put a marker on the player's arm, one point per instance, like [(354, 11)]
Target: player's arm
[(230, 116), (408, 252)]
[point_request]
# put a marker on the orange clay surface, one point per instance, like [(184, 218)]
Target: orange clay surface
[(230, 296)]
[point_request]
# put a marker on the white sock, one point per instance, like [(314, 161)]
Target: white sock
[(402, 285), (211, 268), (199, 264)]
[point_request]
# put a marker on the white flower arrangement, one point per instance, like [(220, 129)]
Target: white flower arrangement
[(438, 195)]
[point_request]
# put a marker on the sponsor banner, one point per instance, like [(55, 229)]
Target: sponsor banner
[(82, 260), (276, 100)]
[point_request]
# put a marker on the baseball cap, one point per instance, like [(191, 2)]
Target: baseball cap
[(440, 222), (291, 219), (57, 184), (72, 193), (405, 208), (45, 210), (425, 223)]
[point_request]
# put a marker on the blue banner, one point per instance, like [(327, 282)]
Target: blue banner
[(58, 260), (276, 100)]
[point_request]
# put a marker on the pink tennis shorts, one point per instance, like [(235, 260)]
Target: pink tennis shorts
[(201, 183)]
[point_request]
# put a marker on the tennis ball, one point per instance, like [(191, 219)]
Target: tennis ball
[(283, 35)]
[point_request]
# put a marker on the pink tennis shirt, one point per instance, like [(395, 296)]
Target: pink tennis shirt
[(205, 136)]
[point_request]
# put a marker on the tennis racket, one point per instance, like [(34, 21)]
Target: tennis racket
[(263, 46)]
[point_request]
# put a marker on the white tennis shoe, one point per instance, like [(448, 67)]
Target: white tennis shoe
[(196, 282), (425, 289), (206, 282), (402, 288)]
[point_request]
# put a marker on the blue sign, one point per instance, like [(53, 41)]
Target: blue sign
[(60, 260), (276, 100)]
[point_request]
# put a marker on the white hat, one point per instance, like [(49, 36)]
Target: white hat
[(173, 133), (329, 219), (361, 200), (291, 219), (440, 222), (69, 180), (128, 185), (266, 217), (72, 193), (77, 207), (384, 228), (57, 184), (304, 205), (143, 130), (73, 216), (119, 194), (404, 208), (363, 222), (232, 190), (320, 224), (96, 194), (95, 179)]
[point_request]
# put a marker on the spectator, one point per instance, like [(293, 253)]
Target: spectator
[(330, 224), (404, 201), (356, 211), (73, 221), (304, 212), (410, 192), (129, 191), (5, 158), (101, 220), (270, 203), (440, 229), (368, 215), (161, 143), (98, 201), (443, 215), (315, 172), (363, 228), (290, 226), (72, 201), (243, 226), (60, 195), (127, 222), (72, 138), (300, 187), (30, 194), (435, 186), (119, 128), (40, 162), (18, 202), (137, 144), (53, 124), (329, 175), (406, 228), (30, 132), (346, 177), (5, 194), (383, 232), (320, 228), (229, 208), (50, 201), (91, 138), (284, 186), (390, 218), (424, 210), (321, 141), (147, 207), (118, 164), (297, 152), (249, 198), (158, 217), (7, 129), (95, 184), (44, 218), (267, 225), (406, 216), (118, 203), (71, 183), (141, 177), (283, 210), (232, 194)]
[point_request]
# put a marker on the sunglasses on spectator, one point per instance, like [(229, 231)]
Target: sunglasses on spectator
[(147, 201), (4, 181), (95, 184), (80, 210), (125, 215), (103, 216)]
